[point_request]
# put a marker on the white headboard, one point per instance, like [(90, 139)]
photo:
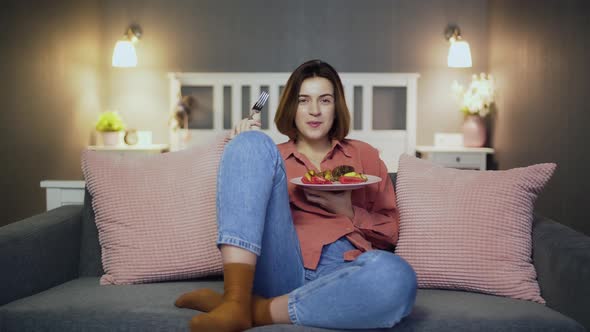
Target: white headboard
[(391, 143)]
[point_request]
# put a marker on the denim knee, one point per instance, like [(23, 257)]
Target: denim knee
[(253, 148), (393, 283), (252, 138)]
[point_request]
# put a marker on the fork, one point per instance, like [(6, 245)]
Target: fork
[(262, 99)]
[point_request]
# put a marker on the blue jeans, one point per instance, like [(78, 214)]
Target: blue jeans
[(376, 290)]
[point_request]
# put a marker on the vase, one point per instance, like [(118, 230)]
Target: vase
[(474, 131), (110, 138)]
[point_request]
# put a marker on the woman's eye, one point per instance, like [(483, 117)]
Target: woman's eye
[(326, 101), (302, 100)]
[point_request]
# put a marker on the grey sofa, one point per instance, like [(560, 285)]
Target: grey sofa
[(51, 266)]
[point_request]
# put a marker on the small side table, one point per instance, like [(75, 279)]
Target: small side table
[(456, 157), (63, 192)]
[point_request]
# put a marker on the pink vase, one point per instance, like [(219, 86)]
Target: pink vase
[(110, 138), (474, 131)]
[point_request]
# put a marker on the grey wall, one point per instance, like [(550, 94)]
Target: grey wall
[(57, 76), (49, 96), (259, 35), (539, 52)]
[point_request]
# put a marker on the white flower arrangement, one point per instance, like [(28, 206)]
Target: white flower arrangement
[(478, 98)]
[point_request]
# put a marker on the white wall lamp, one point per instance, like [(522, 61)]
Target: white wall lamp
[(459, 51), (124, 55)]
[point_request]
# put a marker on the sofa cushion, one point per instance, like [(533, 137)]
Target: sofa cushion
[(84, 305), (155, 215), (453, 311), (470, 230)]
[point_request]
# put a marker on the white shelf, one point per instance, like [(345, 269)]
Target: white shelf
[(74, 184), (140, 148), (461, 149)]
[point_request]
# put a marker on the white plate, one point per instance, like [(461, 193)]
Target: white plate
[(337, 185)]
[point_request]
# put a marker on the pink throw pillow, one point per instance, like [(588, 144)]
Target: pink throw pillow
[(470, 230), (156, 215)]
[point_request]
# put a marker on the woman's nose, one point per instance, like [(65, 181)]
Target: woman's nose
[(314, 109)]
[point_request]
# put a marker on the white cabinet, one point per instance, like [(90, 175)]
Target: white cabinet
[(456, 157), (63, 192)]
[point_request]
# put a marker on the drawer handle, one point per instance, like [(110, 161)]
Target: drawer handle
[(458, 159)]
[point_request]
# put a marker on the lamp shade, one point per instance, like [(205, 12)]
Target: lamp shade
[(459, 54), (124, 54)]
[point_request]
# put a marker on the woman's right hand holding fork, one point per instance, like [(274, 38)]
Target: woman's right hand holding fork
[(250, 123), (253, 121)]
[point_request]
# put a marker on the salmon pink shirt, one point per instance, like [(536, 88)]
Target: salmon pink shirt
[(375, 224)]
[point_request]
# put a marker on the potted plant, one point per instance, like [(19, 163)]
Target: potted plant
[(110, 124), (475, 103)]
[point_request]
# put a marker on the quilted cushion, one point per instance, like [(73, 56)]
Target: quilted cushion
[(156, 214), (470, 230)]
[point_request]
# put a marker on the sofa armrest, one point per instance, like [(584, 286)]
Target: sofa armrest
[(39, 252), (562, 259)]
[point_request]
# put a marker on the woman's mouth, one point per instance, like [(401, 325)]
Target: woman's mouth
[(314, 124)]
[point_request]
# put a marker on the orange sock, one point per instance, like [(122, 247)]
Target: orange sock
[(234, 313), (204, 300), (207, 299)]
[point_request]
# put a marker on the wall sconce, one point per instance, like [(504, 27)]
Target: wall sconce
[(124, 54), (459, 52)]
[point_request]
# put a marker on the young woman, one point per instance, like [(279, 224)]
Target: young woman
[(315, 258)]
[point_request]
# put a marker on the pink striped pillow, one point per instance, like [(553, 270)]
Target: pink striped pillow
[(470, 230), (155, 215)]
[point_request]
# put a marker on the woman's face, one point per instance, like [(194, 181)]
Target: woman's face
[(315, 110)]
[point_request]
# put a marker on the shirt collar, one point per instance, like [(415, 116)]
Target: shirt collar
[(291, 149)]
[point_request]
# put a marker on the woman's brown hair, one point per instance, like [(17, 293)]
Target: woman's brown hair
[(285, 116)]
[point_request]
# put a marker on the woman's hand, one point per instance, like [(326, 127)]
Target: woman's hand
[(246, 124), (338, 202)]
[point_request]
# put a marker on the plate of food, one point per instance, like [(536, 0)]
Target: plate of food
[(340, 178)]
